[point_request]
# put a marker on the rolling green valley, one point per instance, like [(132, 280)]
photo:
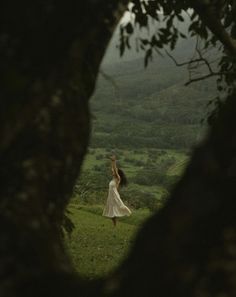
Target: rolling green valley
[(150, 120)]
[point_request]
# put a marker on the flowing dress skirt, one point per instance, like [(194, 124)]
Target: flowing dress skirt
[(115, 207)]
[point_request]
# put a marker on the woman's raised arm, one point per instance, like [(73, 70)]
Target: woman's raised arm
[(114, 168)]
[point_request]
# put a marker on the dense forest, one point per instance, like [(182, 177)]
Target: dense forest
[(166, 114)]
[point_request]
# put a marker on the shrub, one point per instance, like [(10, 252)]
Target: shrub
[(100, 157), (139, 199)]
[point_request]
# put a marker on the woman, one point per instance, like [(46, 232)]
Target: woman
[(114, 206)]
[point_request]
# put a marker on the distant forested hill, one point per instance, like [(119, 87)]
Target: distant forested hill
[(150, 120), (135, 107)]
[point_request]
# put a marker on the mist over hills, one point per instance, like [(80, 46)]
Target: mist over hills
[(138, 107), (185, 47)]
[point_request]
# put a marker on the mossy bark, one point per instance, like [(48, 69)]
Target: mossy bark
[(50, 57)]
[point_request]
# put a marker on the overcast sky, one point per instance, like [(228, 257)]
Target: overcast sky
[(112, 54)]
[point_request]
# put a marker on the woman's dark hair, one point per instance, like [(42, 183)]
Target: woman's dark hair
[(123, 178)]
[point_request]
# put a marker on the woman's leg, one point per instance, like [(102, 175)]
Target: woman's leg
[(114, 221)]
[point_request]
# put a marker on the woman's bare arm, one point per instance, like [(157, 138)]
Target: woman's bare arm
[(115, 169)]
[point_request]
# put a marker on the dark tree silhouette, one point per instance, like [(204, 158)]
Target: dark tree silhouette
[(50, 56)]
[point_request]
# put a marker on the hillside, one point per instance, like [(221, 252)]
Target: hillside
[(95, 246), (137, 107), (151, 121)]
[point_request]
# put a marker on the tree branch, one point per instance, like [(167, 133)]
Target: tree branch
[(192, 67), (208, 13), (192, 80), (183, 63)]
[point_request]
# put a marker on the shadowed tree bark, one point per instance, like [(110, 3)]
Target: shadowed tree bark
[(50, 56)]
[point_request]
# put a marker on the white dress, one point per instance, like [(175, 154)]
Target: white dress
[(114, 206)]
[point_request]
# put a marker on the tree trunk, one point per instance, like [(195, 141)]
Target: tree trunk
[(50, 56)]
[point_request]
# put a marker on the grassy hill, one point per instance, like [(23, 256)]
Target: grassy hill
[(95, 246), (149, 108), (150, 120)]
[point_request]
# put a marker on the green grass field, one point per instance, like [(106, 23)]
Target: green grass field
[(95, 246)]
